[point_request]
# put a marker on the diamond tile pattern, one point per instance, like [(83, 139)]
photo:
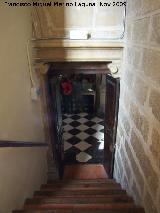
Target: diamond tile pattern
[(67, 146), (90, 131), (83, 138), (83, 157), (74, 140), (90, 123), (82, 145), (75, 123), (74, 131)]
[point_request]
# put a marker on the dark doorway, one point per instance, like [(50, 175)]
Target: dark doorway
[(76, 111), (83, 118)]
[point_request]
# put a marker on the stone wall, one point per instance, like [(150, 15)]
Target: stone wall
[(137, 163), (98, 21)]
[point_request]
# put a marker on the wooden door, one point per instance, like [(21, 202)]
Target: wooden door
[(57, 124), (111, 118)]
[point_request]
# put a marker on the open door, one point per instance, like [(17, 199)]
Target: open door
[(57, 124), (111, 119)]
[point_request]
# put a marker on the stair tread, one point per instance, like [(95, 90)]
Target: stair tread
[(77, 196), (80, 192), (82, 188), (87, 184), (102, 199), (131, 210), (80, 206), (70, 181), (80, 196)]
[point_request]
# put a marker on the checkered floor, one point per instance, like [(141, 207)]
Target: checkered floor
[(83, 138)]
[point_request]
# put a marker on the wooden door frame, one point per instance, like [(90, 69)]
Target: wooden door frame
[(109, 164), (43, 70)]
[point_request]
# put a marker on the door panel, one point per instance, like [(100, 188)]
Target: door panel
[(57, 124), (111, 118)]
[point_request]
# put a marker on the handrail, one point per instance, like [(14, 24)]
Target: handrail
[(4, 143)]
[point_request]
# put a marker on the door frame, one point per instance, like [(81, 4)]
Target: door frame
[(110, 139), (50, 69)]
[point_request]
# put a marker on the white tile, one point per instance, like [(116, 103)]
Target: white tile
[(67, 115), (82, 120), (101, 146), (83, 157), (82, 127), (67, 135), (99, 135), (67, 127), (68, 120), (102, 140), (82, 114), (98, 127), (82, 135), (97, 119), (67, 146), (83, 145)]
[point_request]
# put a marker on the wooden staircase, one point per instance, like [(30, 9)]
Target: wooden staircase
[(80, 196)]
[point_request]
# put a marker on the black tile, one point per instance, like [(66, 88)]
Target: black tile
[(75, 123), (101, 123), (74, 140), (91, 140), (70, 155), (89, 123), (102, 130), (74, 131), (97, 155), (75, 117), (90, 131), (64, 117), (64, 123), (91, 150), (89, 116)]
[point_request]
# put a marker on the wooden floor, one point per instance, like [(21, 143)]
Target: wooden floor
[(87, 171)]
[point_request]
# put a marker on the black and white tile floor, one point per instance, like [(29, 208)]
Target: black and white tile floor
[(83, 138)]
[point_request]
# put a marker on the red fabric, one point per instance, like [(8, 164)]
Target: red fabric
[(67, 88)]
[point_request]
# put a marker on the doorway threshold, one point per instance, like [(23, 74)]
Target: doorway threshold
[(85, 172)]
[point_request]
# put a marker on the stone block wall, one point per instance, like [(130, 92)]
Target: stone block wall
[(98, 21), (137, 159)]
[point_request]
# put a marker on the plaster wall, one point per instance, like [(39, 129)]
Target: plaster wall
[(137, 163), (20, 117)]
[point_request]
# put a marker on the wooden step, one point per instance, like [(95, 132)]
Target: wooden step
[(79, 188), (78, 207), (77, 196), (130, 210), (45, 211), (85, 185), (82, 200), (74, 181), (80, 196), (79, 192)]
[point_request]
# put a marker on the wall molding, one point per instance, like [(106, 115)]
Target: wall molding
[(17, 144), (53, 50)]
